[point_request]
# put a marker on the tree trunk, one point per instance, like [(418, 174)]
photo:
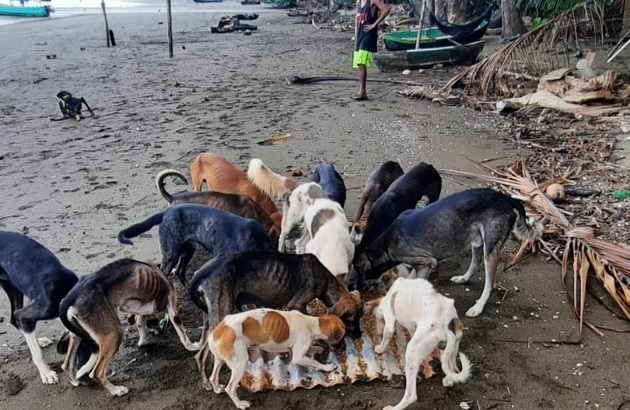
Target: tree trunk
[(625, 24), (457, 11), (511, 16)]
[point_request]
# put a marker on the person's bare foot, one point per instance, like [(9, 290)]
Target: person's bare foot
[(360, 97)]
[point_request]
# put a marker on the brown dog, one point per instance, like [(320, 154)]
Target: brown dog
[(223, 176), (240, 205), (89, 313), (273, 331)]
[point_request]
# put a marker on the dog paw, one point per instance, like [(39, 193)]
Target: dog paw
[(218, 389), (459, 279), (119, 390), (388, 408), (192, 347), (242, 404), (328, 367), (142, 342), (49, 377), (447, 382), (474, 311), (380, 349), (44, 341)]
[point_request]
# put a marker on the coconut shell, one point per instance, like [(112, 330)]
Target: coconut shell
[(555, 192)]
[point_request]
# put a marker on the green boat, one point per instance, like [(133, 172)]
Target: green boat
[(432, 37), (24, 11), (392, 61)]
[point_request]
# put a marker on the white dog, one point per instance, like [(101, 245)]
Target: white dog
[(326, 229), (272, 331), (432, 319)]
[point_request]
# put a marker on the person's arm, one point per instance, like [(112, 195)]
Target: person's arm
[(356, 24), (383, 12)]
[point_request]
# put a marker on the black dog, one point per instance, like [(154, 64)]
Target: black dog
[(479, 218), (182, 227), (71, 106), (377, 183), (29, 269), (268, 279), (331, 182), (404, 193)]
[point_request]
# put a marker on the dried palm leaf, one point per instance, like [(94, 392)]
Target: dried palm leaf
[(544, 49), (609, 262)]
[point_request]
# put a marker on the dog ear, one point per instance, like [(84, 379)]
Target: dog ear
[(370, 306), (333, 328), (356, 296)]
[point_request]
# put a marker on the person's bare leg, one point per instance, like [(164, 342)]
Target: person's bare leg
[(362, 81)]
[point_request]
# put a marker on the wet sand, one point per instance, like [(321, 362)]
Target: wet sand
[(73, 186)]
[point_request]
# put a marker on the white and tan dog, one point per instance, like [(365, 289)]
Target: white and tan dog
[(326, 231), (272, 331), (432, 319)]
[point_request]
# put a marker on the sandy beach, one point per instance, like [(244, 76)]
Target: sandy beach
[(74, 185)]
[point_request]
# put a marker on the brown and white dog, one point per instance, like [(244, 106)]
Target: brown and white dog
[(223, 176), (240, 205), (432, 319), (270, 330), (307, 204), (89, 313)]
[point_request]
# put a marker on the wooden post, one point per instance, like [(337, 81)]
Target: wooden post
[(420, 24), (625, 23), (169, 17), (106, 24)]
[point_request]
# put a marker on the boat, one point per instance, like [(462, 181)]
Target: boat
[(432, 37), (24, 11), (392, 61), (463, 28)]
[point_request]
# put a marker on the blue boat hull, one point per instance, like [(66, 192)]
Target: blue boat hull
[(19, 11)]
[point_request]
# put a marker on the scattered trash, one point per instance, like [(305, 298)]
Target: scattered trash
[(296, 172), (621, 195), (51, 56), (406, 72)]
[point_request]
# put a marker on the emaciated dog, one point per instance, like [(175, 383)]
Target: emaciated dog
[(268, 279), (223, 176), (182, 227), (89, 313), (379, 180), (27, 268), (433, 321), (240, 205), (480, 218), (331, 182), (270, 330), (404, 193)]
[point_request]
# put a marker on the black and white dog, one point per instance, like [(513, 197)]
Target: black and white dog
[(183, 227), (27, 268), (480, 218), (331, 182)]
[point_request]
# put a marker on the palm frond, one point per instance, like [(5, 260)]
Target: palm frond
[(544, 49), (583, 252)]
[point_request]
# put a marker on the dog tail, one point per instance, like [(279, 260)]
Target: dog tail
[(268, 181), (526, 228), (71, 323), (159, 182), (449, 355), (139, 228)]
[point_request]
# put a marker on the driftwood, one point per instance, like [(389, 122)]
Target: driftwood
[(577, 90), (546, 99)]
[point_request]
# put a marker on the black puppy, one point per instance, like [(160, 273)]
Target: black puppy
[(182, 227), (331, 182), (27, 268), (480, 218), (377, 183), (71, 106), (404, 193)]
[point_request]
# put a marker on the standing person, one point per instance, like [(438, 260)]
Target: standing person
[(370, 13)]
